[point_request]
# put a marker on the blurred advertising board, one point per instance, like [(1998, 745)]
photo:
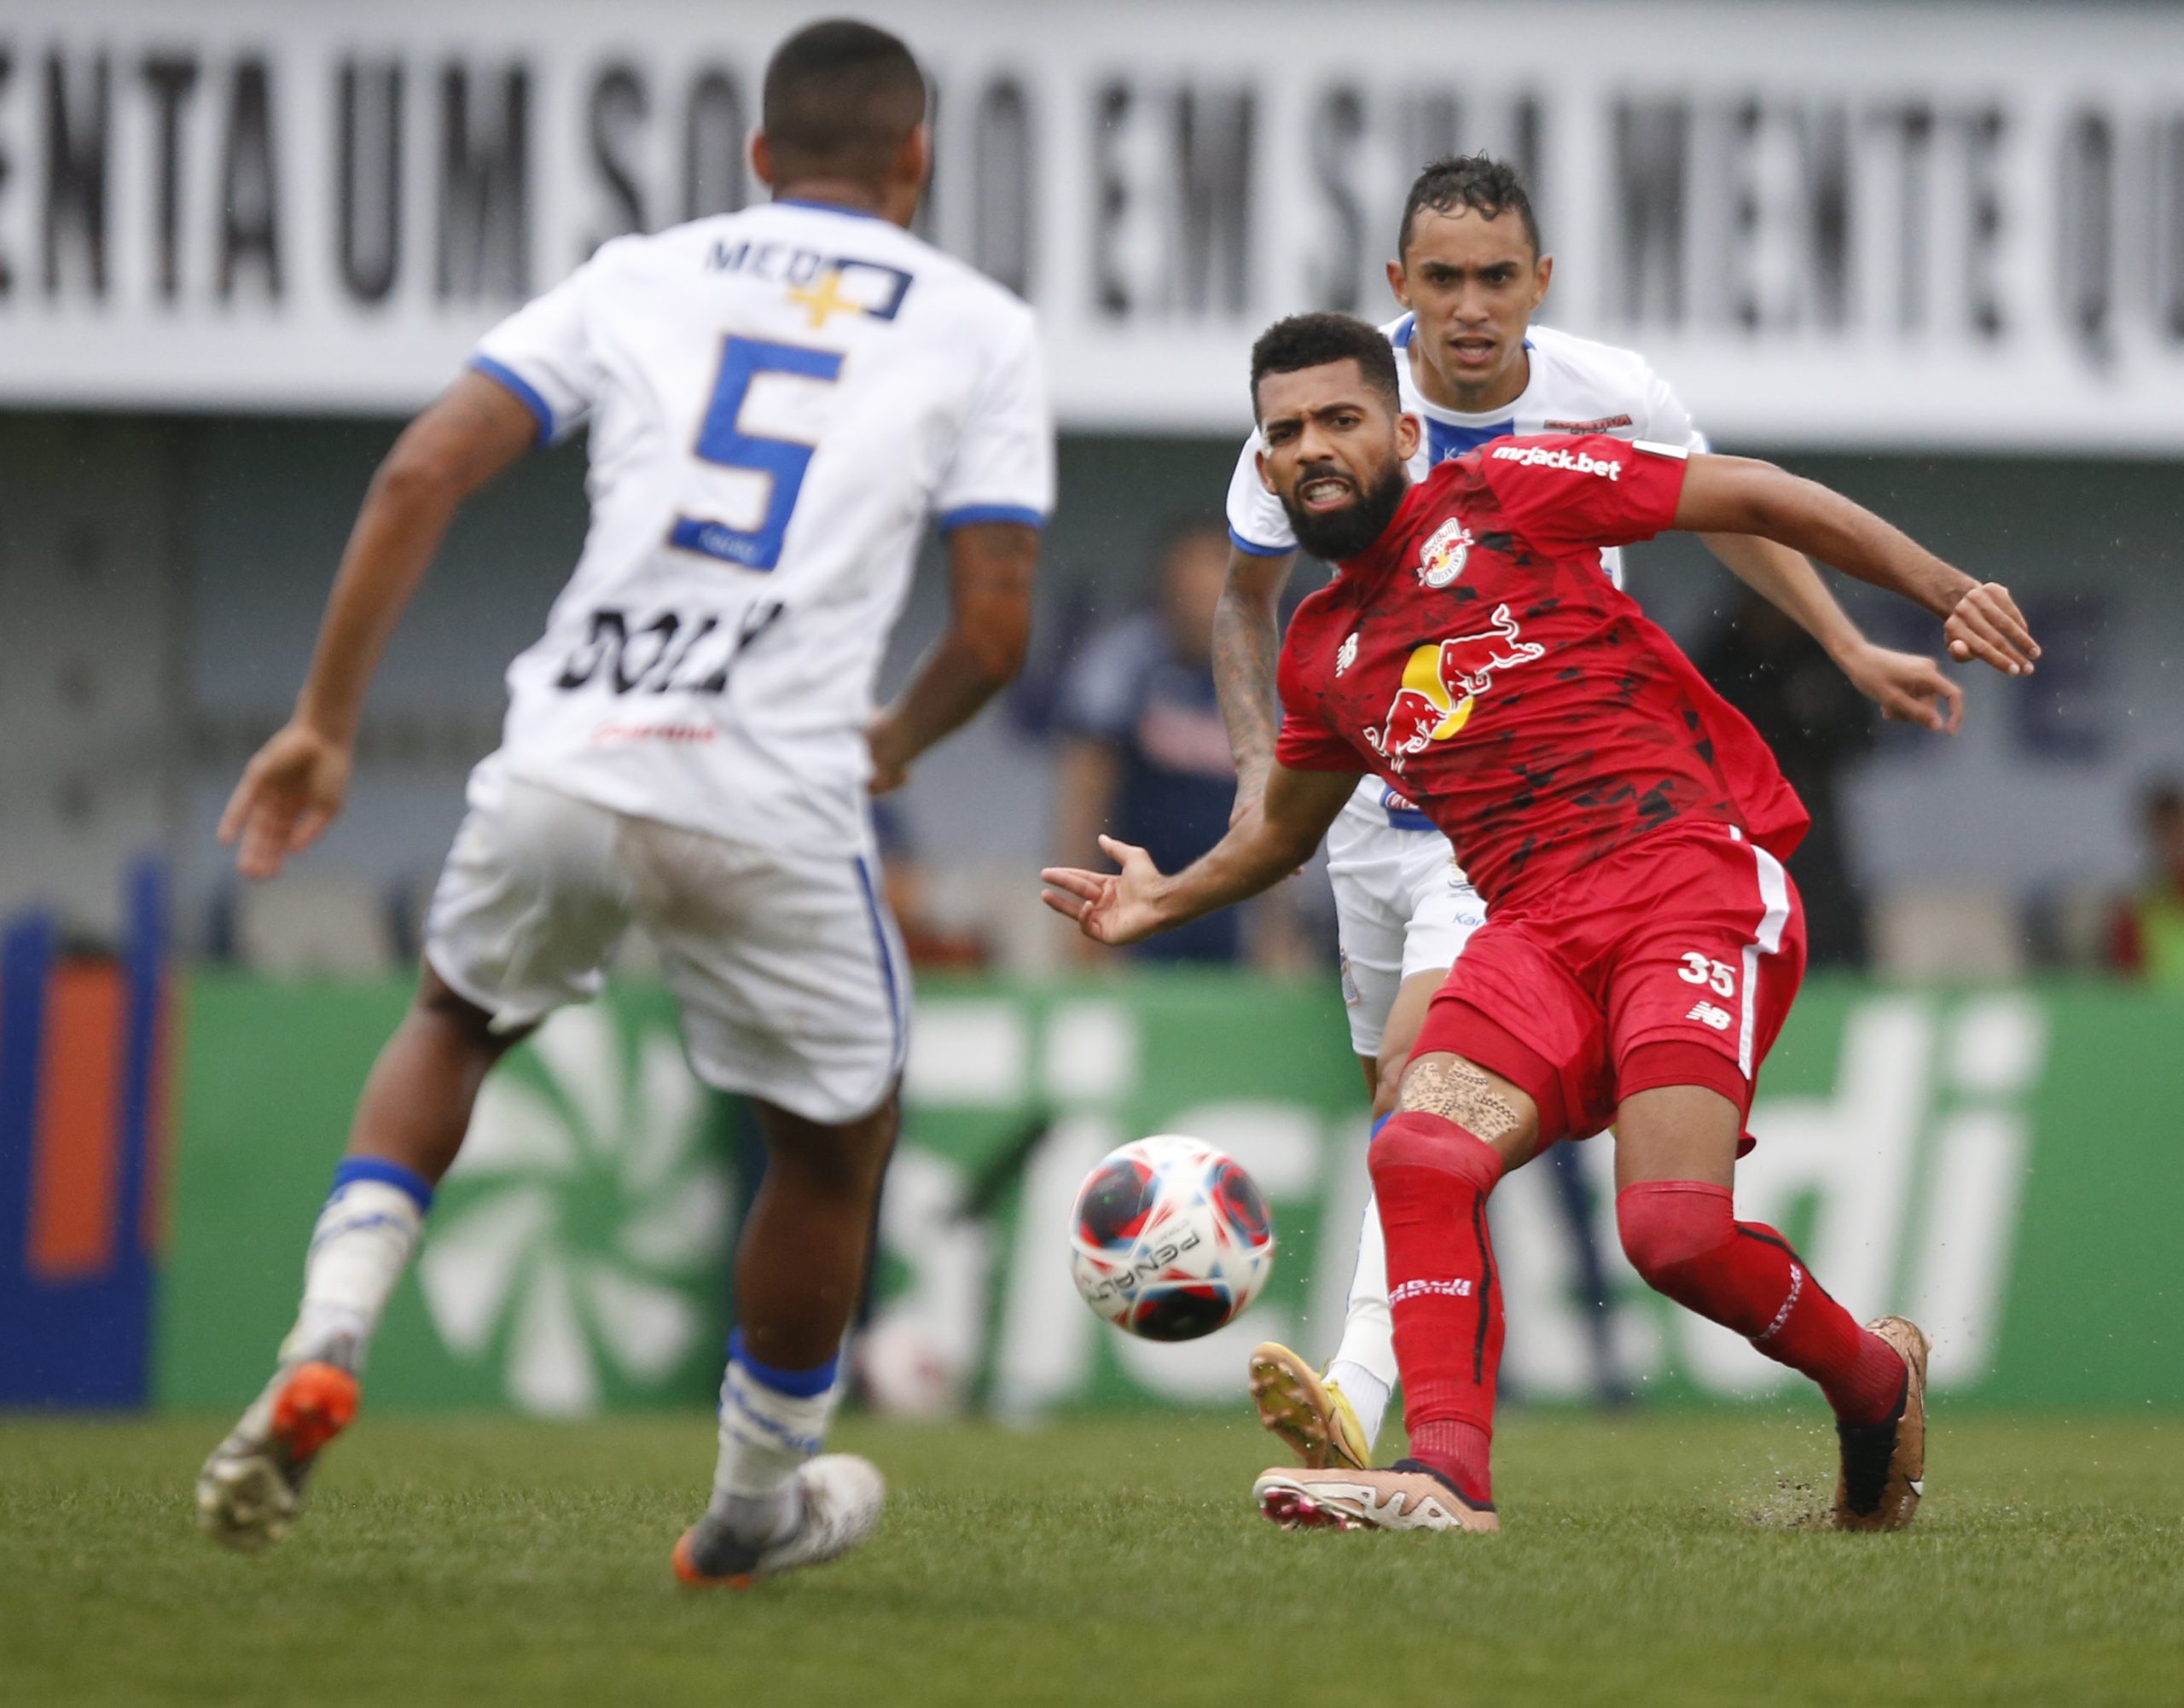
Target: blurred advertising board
[(2002, 1164), (1849, 224)]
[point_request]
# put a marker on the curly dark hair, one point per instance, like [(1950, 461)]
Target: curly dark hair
[(1313, 340), (1486, 186)]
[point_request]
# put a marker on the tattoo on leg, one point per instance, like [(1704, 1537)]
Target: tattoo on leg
[(1458, 1091)]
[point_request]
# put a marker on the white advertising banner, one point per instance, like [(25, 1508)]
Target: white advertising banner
[(1828, 225)]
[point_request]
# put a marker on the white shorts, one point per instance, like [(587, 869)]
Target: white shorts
[(788, 968), (1402, 906)]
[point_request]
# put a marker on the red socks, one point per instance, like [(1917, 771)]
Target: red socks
[(1681, 1236), (1433, 1178)]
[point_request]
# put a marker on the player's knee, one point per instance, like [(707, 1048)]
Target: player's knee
[(1417, 1138), (846, 1162), (1665, 1226), (1462, 1093), (439, 1006)]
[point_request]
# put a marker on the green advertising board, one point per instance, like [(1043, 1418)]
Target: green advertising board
[(2000, 1163), (576, 1258)]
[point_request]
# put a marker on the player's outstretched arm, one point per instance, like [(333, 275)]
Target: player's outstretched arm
[(1246, 644), (1275, 835), (1736, 495), (990, 565), (295, 784), (1905, 686)]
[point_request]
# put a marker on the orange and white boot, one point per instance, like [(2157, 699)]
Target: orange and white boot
[(251, 1488)]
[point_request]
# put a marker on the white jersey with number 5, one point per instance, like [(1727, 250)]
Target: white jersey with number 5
[(778, 400)]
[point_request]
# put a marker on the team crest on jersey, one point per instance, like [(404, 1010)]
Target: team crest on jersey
[(1348, 655), (1441, 682), (1445, 552)]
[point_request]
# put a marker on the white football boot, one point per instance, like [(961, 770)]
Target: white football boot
[(251, 1489), (1406, 1497), (842, 1496)]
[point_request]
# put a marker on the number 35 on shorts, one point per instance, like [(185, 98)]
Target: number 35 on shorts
[(1717, 976)]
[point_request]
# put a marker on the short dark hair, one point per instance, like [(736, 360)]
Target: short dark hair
[(1487, 186), (839, 98), (1313, 340)]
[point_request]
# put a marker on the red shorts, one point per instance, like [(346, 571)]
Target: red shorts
[(1673, 962)]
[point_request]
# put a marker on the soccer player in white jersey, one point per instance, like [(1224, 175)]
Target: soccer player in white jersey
[(777, 400), (1469, 273)]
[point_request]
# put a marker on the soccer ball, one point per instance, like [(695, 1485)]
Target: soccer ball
[(1169, 1238)]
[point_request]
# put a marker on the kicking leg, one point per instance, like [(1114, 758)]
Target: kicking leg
[(1675, 1158), (1336, 1420), (798, 1274), (1364, 1364), (407, 1127), (1458, 1129)]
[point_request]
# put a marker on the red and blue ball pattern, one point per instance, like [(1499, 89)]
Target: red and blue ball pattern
[(1169, 1238)]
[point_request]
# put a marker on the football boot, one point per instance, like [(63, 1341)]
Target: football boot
[(1407, 1496), (1314, 1417), (250, 1490), (840, 1497), (1884, 1474)]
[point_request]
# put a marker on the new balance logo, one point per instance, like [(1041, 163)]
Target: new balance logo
[(1707, 1014), (1431, 1289), (1540, 457)]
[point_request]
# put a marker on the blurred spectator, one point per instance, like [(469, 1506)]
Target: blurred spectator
[(1807, 710), (2148, 936), (1144, 755)]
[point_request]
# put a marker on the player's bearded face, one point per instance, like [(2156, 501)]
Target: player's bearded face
[(1336, 509)]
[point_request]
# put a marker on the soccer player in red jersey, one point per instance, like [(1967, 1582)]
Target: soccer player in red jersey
[(1627, 829)]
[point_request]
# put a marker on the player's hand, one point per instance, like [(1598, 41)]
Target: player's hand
[(1905, 686), (289, 792), (1986, 625), (891, 766), (1114, 908)]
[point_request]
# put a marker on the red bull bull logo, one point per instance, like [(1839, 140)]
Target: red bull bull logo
[(1441, 683), (1441, 559)]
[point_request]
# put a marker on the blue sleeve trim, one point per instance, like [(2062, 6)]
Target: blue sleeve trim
[(1253, 549), (971, 515), (407, 1181), (801, 1384), (522, 390)]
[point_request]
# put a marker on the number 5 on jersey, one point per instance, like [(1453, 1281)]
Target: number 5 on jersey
[(722, 440)]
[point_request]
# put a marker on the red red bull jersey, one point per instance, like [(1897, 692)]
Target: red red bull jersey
[(1476, 660)]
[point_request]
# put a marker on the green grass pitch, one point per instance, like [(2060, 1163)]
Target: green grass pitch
[(1648, 1559)]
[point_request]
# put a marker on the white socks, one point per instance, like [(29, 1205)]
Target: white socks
[(771, 1421), (1364, 1364), (362, 1242), (1367, 1393)]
